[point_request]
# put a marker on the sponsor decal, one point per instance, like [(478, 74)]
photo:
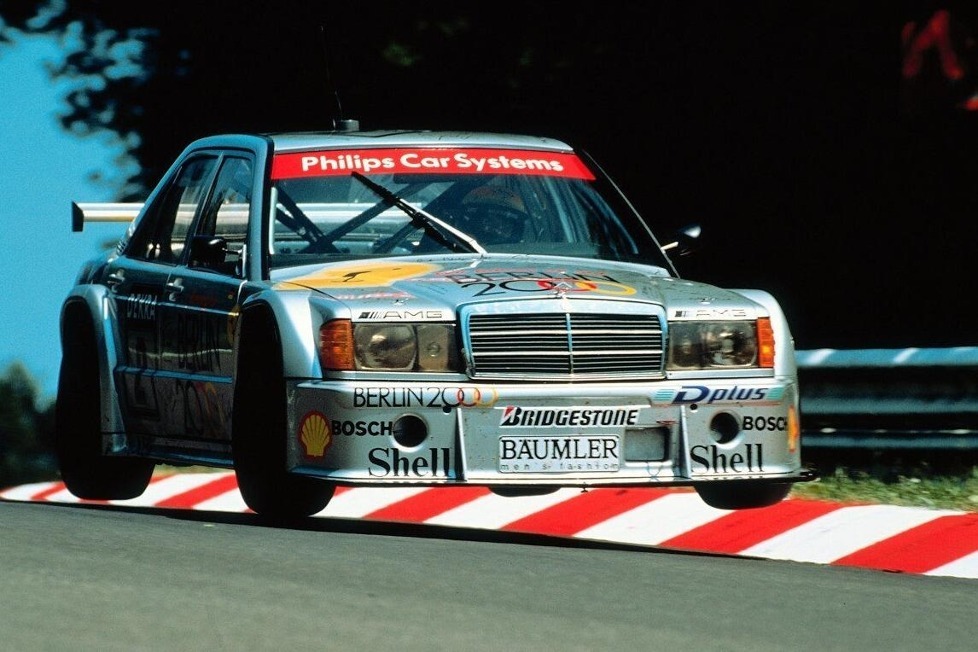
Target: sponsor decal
[(362, 428), (198, 343), (712, 313), (490, 283), (141, 307), (760, 424), (521, 417), (198, 408), (558, 454), (710, 459), (393, 462), (702, 394), (436, 397), (315, 434), (396, 294), (401, 315), (360, 275), (420, 160)]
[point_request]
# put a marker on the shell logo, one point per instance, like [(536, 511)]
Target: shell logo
[(314, 434)]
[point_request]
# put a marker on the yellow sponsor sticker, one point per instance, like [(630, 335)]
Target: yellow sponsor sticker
[(361, 275)]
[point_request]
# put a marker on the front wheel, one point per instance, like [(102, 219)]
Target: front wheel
[(86, 472), (743, 495), (258, 429)]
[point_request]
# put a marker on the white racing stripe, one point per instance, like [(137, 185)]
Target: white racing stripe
[(843, 532), (168, 487), (492, 511), (966, 566), (25, 491), (62, 496), (656, 521), (229, 501)]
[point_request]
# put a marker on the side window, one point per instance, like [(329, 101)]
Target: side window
[(162, 234), (226, 217)]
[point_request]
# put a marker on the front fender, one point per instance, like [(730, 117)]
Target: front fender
[(297, 321), (93, 302), (784, 356)]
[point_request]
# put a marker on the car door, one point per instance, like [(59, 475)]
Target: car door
[(137, 281), (198, 311)]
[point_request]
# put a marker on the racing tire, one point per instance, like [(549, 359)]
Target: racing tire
[(737, 495), (259, 425), (86, 472)]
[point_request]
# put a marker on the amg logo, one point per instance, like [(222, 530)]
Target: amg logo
[(401, 315)]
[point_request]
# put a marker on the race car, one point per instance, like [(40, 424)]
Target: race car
[(413, 308)]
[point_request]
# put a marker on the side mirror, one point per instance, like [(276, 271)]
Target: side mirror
[(686, 240), (209, 252)]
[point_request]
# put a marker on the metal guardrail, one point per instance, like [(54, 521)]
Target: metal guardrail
[(914, 398)]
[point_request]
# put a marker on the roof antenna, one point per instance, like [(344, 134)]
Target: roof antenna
[(339, 122)]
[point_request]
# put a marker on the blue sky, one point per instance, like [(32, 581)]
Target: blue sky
[(44, 169)]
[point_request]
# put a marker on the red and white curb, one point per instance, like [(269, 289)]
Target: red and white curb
[(885, 537)]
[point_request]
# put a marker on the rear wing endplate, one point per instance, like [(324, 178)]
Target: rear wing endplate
[(103, 212)]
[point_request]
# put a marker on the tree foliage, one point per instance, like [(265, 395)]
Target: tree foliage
[(161, 74), (26, 430)]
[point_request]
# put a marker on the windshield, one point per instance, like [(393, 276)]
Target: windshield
[(336, 205)]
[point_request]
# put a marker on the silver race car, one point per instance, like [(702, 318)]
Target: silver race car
[(444, 309)]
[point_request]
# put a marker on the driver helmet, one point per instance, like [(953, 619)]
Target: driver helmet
[(495, 195), (493, 214)]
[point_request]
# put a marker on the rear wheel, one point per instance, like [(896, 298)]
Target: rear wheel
[(86, 472), (742, 495), (259, 429)]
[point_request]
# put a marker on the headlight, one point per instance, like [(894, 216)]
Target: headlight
[(344, 346), (728, 344), (384, 347)]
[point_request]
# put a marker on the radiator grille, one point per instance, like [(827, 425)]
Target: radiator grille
[(566, 346)]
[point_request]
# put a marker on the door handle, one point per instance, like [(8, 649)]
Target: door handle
[(174, 287), (115, 279)]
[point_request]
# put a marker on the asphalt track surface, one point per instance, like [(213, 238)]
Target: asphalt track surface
[(123, 577), (882, 537)]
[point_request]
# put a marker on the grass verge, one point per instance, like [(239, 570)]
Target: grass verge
[(934, 479)]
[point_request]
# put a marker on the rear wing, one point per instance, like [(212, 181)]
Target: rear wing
[(103, 212)]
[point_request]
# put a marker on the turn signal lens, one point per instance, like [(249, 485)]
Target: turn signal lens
[(793, 430), (336, 345), (765, 343)]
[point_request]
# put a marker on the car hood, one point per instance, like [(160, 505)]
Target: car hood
[(436, 286)]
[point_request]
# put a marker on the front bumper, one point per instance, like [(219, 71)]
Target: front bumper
[(662, 433)]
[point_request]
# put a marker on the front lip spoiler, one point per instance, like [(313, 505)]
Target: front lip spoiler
[(803, 475)]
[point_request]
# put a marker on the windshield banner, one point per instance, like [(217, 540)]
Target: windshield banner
[(427, 161)]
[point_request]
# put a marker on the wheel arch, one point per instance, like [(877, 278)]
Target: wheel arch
[(295, 325), (88, 318)]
